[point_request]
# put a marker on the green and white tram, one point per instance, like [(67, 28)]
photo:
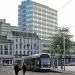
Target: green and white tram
[(38, 62)]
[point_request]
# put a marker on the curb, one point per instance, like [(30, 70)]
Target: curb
[(64, 72)]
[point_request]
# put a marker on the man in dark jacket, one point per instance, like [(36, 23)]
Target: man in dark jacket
[(16, 69), (24, 68)]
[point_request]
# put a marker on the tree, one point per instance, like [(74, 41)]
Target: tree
[(58, 41), (72, 51)]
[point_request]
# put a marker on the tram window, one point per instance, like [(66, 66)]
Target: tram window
[(73, 59), (33, 62), (37, 62)]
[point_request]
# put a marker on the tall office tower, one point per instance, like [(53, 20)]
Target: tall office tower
[(38, 18)]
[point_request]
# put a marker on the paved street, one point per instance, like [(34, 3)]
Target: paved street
[(11, 72), (45, 73)]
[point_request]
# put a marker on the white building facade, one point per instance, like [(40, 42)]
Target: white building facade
[(24, 44), (38, 18), (6, 51)]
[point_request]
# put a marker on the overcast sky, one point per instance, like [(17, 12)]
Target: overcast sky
[(66, 15)]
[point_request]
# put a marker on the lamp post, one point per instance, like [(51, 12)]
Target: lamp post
[(64, 31)]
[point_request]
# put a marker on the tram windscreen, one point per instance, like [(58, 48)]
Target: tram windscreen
[(45, 61)]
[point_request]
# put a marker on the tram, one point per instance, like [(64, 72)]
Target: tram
[(38, 62)]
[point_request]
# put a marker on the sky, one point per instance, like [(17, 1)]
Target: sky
[(66, 13)]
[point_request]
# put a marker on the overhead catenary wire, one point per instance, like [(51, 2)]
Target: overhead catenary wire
[(64, 5)]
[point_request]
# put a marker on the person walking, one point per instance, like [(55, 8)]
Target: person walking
[(24, 68), (16, 69)]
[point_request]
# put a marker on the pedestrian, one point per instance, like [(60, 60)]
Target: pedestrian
[(24, 68), (16, 69)]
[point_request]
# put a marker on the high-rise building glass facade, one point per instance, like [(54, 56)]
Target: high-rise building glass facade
[(38, 18)]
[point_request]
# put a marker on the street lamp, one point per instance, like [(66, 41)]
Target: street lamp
[(63, 31)]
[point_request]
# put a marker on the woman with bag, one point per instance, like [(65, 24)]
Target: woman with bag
[(16, 69)]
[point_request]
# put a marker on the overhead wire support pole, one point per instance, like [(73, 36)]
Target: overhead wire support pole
[(64, 34), (64, 49)]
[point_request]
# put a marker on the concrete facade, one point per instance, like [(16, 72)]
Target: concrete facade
[(6, 27), (6, 51), (38, 18)]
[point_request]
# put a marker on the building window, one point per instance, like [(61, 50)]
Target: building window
[(16, 52), (31, 52), (16, 40), (31, 46), (24, 29), (28, 53), (10, 46), (35, 52), (20, 46), (37, 47), (24, 52), (20, 52), (24, 46), (34, 46), (1, 52), (20, 40), (16, 46), (28, 46), (6, 52), (6, 47), (1, 47), (10, 52)]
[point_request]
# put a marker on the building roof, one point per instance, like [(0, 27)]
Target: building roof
[(24, 34), (39, 4), (2, 20), (3, 39)]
